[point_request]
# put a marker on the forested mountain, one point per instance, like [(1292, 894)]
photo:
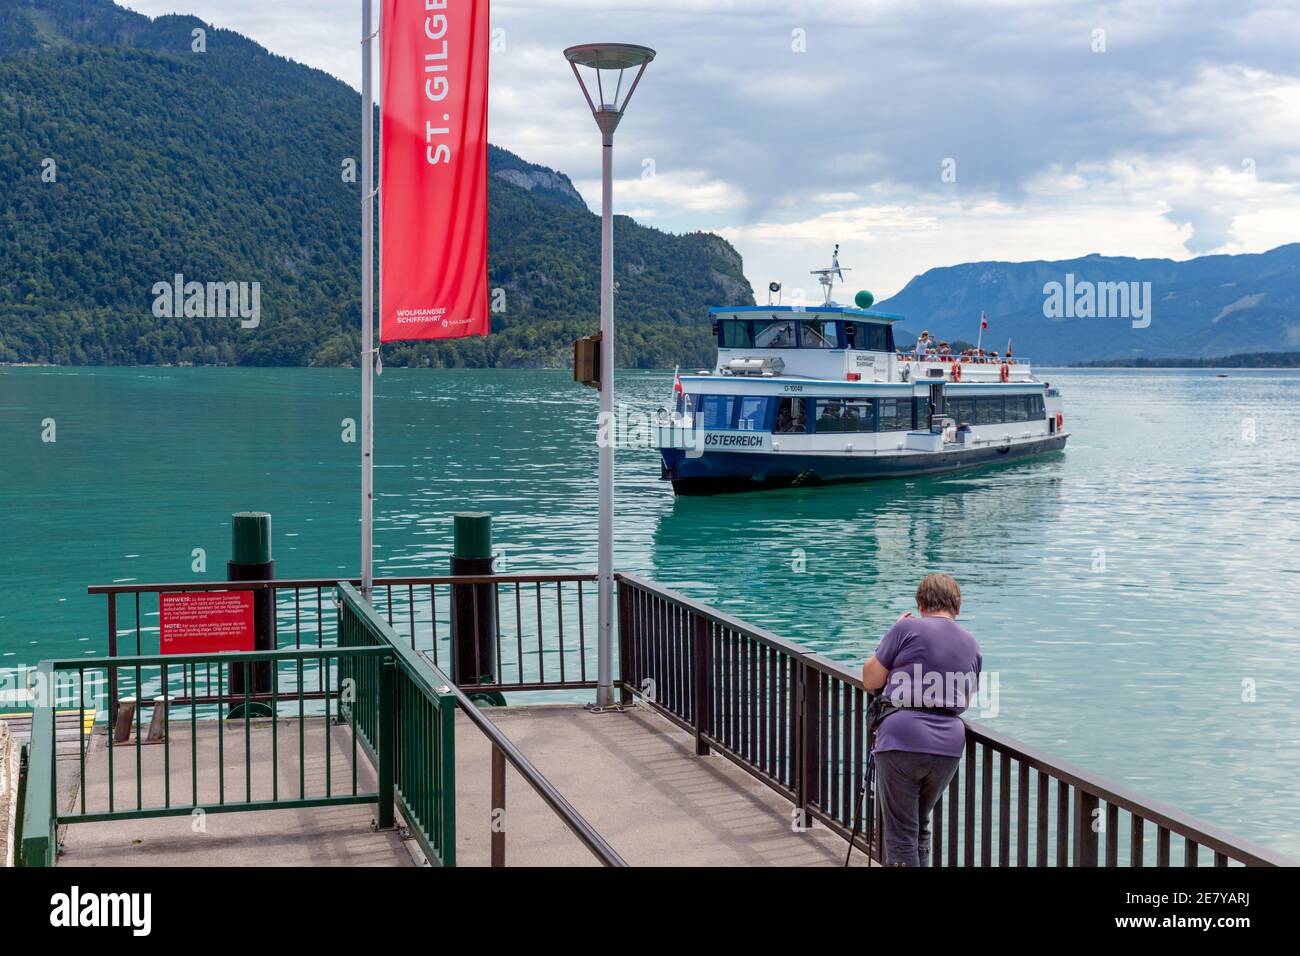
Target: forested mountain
[(1200, 308), (129, 157)]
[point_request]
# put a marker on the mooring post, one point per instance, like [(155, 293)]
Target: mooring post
[(473, 606), (250, 560)]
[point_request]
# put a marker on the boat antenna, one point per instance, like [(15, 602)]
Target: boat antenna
[(827, 276)]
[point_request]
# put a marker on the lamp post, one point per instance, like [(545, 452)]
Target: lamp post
[(609, 63)]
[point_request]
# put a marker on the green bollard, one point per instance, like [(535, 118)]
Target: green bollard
[(473, 607), (250, 560)]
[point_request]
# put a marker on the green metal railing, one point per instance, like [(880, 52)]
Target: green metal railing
[(541, 642), (413, 742), (390, 693), (178, 773), (422, 740)]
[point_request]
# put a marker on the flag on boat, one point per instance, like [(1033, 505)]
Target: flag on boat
[(984, 321), (677, 381), (433, 170)]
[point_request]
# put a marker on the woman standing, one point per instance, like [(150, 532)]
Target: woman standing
[(927, 669)]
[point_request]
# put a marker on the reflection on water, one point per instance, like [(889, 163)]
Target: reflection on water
[(1129, 591)]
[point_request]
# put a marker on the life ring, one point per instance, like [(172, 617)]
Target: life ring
[(1060, 420), (1006, 372), (956, 371)]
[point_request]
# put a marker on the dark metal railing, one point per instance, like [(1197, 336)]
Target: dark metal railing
[(796, 721)]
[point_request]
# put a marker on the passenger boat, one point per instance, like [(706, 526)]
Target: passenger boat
[(803, 395)]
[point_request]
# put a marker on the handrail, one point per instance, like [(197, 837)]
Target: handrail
[(286, 584), (437, 682), (211, 657), (812, 719), (552, 797)]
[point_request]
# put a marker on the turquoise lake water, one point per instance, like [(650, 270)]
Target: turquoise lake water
[(1128, 592)]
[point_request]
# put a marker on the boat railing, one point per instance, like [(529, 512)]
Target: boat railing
[(796, 721), (962, 359)]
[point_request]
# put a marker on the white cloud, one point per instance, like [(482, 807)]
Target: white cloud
[(685, 190), (1059, 150)]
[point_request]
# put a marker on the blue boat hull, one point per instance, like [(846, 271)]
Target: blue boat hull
[(717, 473)]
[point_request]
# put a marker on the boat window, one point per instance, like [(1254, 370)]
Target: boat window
[(792, 415), (1036, 410), (819, 335), (1017, 408), (845, 415), (717, 410), (753, 412), (921, 412), (961, 410), (775, 335), (869, 336), (895, 414), (735, 334), (988, 410)]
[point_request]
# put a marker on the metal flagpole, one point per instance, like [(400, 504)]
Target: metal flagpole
[(367, 298)]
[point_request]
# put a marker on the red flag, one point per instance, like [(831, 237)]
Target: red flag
[(984, 321), (433, 170), (677, 382)]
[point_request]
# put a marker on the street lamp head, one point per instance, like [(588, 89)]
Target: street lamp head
[(609, 62)]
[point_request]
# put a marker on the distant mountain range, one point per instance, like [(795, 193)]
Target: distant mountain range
[(1199, 308), (127, 158)]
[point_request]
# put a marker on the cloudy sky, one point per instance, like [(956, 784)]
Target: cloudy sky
[(915, 134)]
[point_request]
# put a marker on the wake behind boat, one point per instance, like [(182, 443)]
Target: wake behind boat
[(817, 395)]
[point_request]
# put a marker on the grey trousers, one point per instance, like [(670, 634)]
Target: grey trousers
[(908, 785)]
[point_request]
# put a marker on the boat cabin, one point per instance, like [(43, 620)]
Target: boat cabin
[(827, 341)]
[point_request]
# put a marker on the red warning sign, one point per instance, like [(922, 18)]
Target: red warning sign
[(205, 622)]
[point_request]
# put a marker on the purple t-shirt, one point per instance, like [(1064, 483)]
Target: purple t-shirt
[(932, 662)]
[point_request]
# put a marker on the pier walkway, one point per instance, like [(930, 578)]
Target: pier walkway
[(635, 777), (632, 774), (731, 746)]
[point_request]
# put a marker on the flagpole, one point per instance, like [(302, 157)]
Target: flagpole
[(367, 299)]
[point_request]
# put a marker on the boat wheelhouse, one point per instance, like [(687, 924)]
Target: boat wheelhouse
[(814, 395)]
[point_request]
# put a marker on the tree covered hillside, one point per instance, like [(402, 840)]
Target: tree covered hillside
[(129, 158)]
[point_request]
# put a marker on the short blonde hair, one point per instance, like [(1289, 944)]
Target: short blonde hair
[(939, 592)]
